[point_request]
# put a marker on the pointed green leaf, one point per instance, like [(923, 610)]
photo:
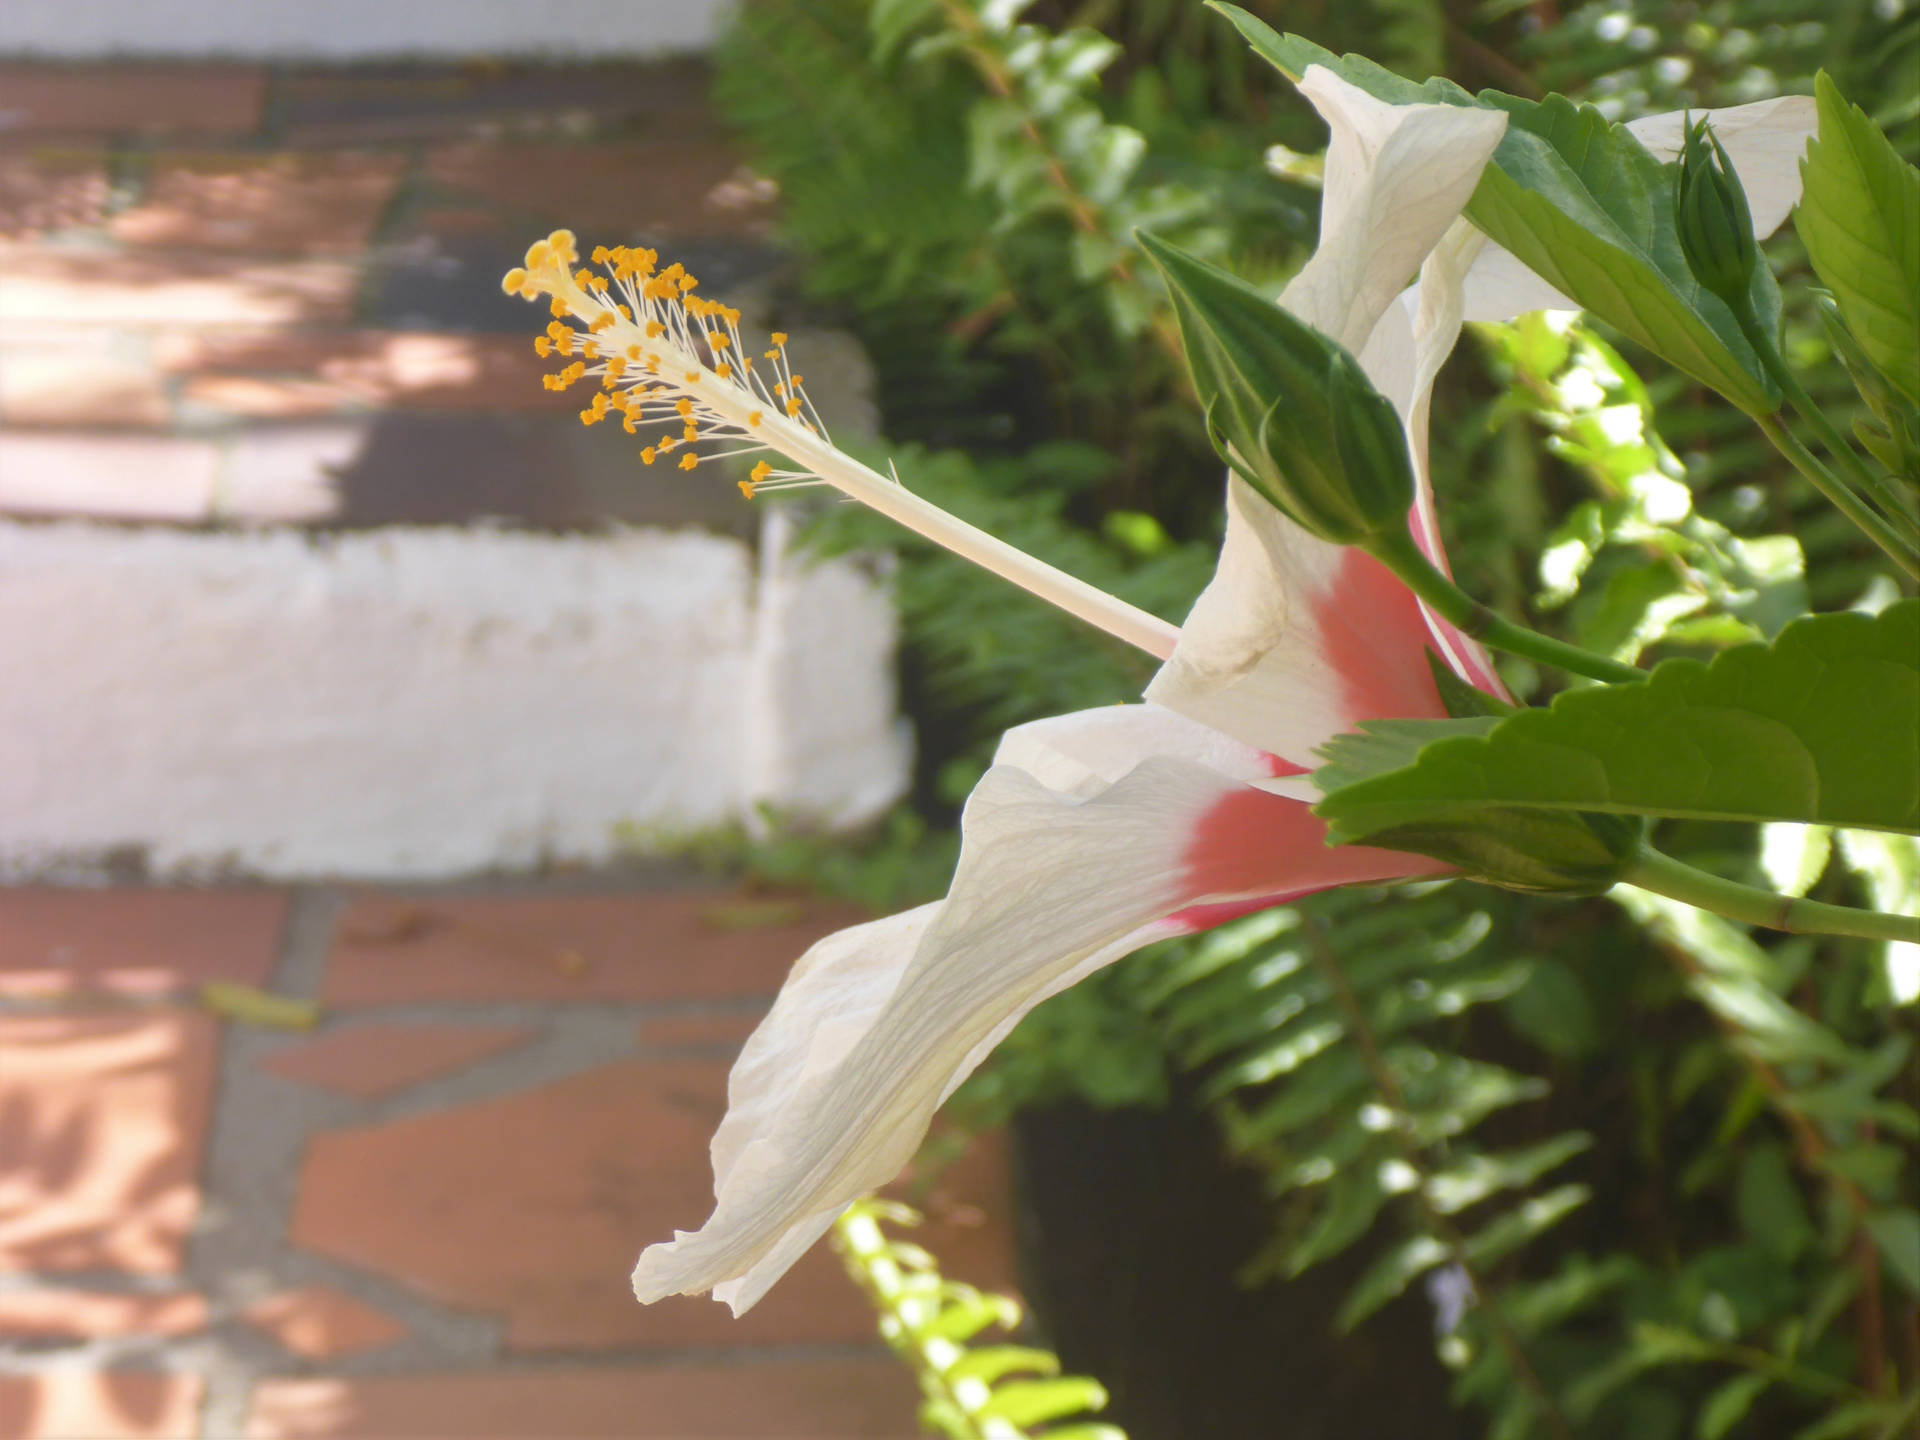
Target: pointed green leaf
[(1859, 217), (1897, 1233), (1820, 727), (1583, 204), (1033, 1402), (1726, 1407)]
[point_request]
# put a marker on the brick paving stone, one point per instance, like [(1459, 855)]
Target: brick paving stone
[(100, 1405), (320, 1323), (41, 98), (286, 203), (728, 1031), (277, 373), (535, 1206), (670, 188), (156, 288), (78, 375), (103, 1119), (291, 473), (112, 477), (94, 1315), (865, 1399), (50, 187), (369, 1062), (414, 102), (682, 945), (135, 942)]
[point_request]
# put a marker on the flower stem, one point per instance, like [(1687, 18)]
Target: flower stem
[(1796, 915), (1899, 548), (1398, 552)]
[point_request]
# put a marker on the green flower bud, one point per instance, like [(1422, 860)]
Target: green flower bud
[(1287, 407), (1716, 230), (1539, 852)]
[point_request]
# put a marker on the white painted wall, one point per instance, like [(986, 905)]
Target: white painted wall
[(356, 29), (423, 702)]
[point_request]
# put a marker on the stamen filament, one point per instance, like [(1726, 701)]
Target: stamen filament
[(658, 366)]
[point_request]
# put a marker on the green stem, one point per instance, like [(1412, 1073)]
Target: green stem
[(1898, 547), (1848, 503), (1796, 915), (1398, 552)]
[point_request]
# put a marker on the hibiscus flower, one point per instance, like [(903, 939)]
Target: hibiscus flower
[(1095, 833)]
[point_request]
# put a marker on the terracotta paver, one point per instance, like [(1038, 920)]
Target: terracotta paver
[(50, 187), (145, 477), (728, 1031), (279, 374), (102, 1121), (100, 1405), (144, 100), (768, 1400), (74, 376), (135, 942), (169, 288), (682, 945), (320, 1323), (534, 1206), (669, 187), (287, 203), (94, 1315), (371, 1061)]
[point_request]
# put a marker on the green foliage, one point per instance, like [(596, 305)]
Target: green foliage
[(1859, 217), (1526, 1053), (970, 1390), (1734, 739)]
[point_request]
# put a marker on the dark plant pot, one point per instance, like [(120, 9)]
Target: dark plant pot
[(1131, 1229)]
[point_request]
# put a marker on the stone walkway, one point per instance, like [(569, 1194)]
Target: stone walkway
[(414, 1217)]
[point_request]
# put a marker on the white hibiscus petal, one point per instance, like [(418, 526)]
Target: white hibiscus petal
[(1396, 177), (879, 1023)]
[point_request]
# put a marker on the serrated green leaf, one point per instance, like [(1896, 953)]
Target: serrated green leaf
[(1524, 1222), (1859, 217), (1728, 1405), (1583, 204), (1349, 1213), (1818, 727), (1034, 1402)]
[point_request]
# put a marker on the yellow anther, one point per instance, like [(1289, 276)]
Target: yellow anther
[(625, 313), (603, 321), (798, 381), (719, 339), (691, 433), (542, 346), (616, 367), (779, 337), (746, 488), (684, 406), (723, 370), (780, 388), (655, 329), (559, 308), (633, 352), (601, 255), (760, 472), (687, 283), (773, 354), (756, 417), (687, 462), (553, 382), (793, 406), (647, 456)]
